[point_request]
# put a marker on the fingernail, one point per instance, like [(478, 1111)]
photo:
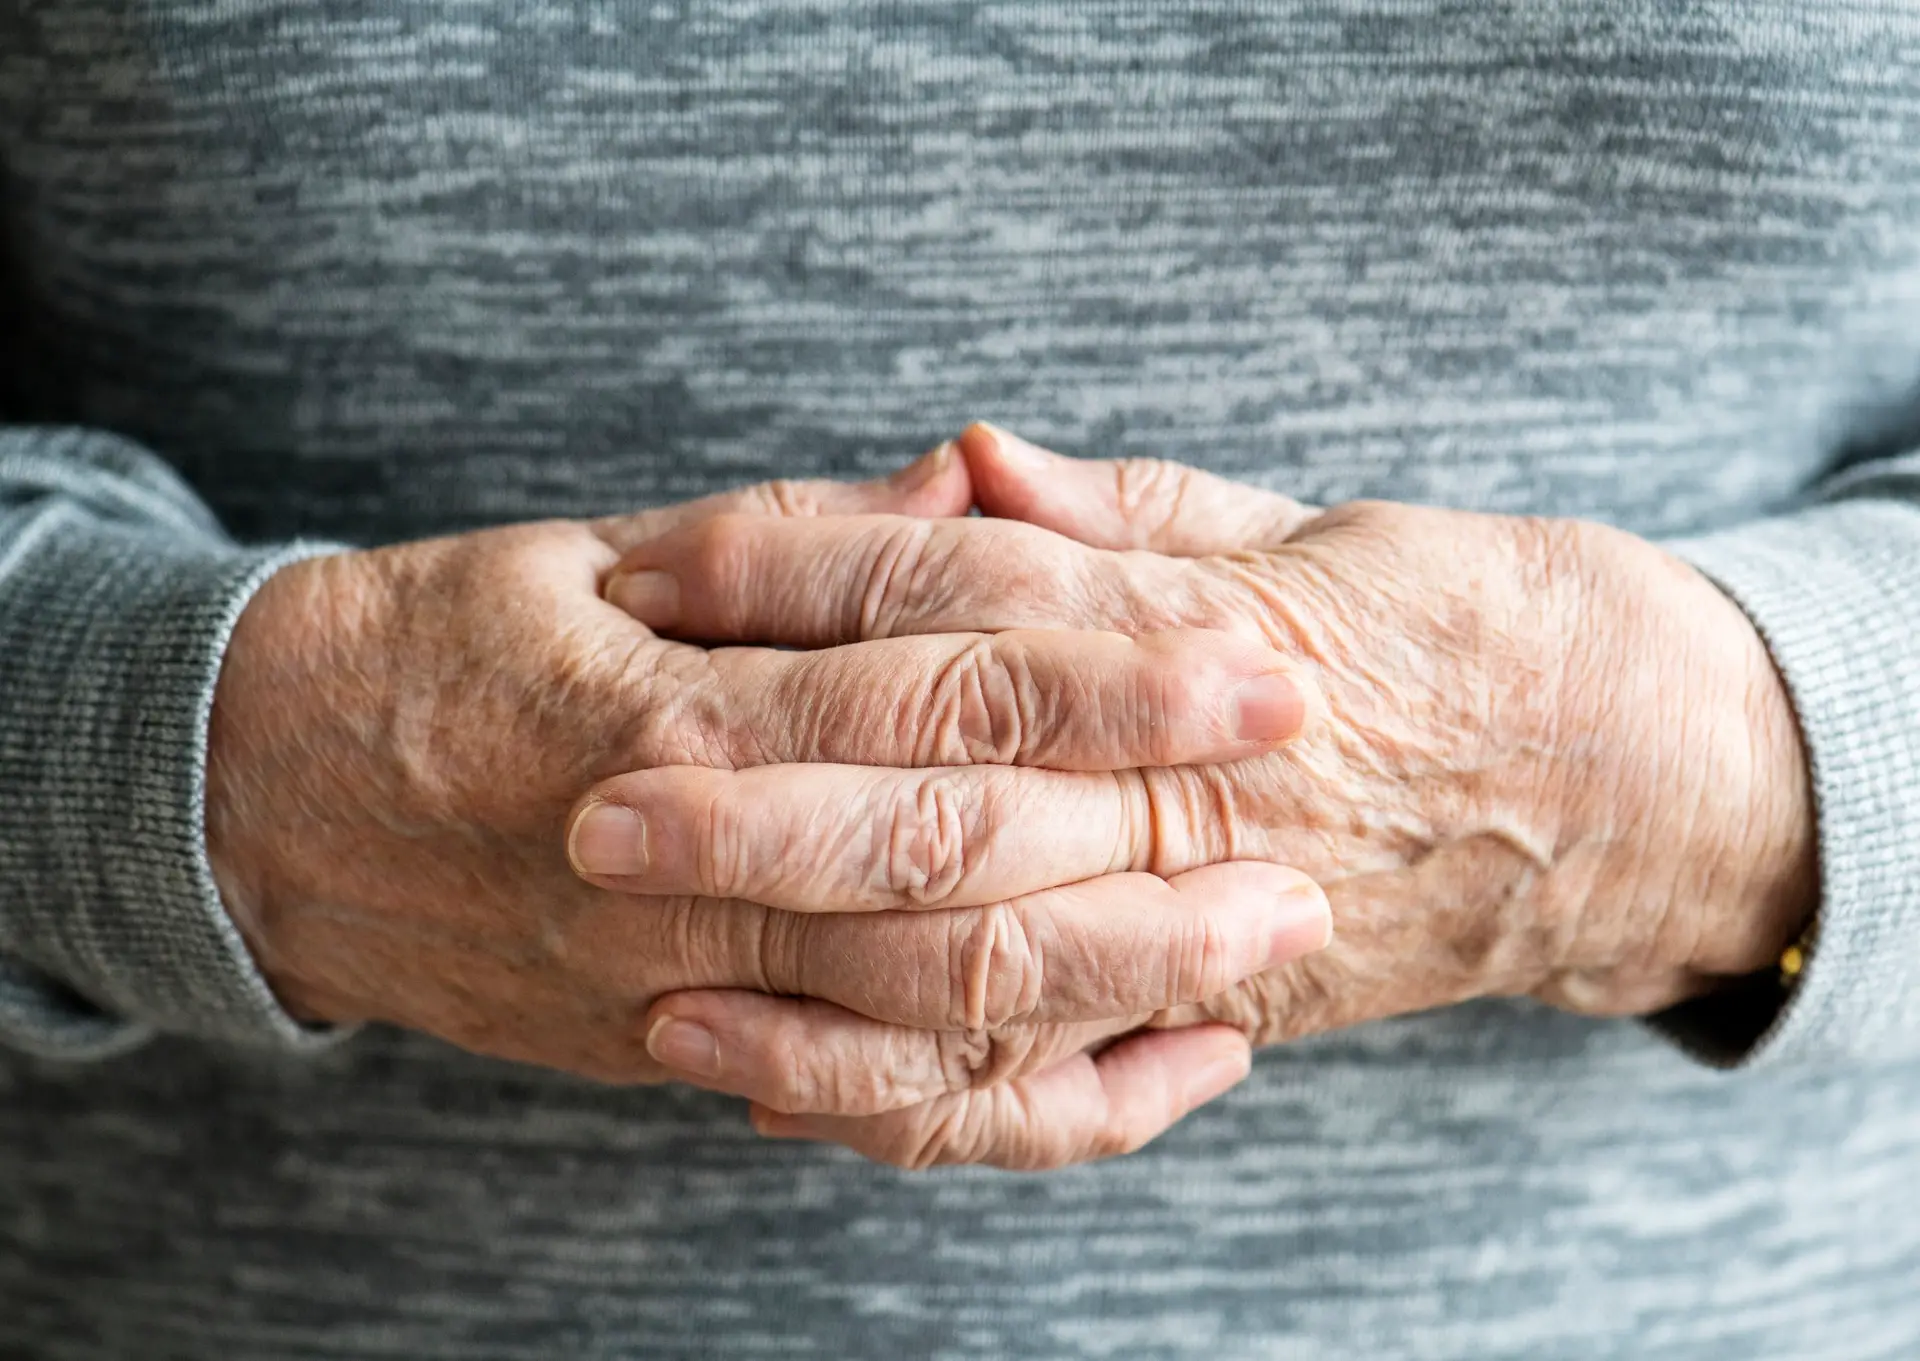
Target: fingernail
[(1269, 708), (1218, 1078), (1016, 450), (608, 839), (1301, 924), (924, 469), (684, 1046), (651, 597)]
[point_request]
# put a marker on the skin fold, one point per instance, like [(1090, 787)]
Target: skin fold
[(1543, 757)]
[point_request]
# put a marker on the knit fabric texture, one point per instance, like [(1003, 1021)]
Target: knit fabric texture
[(281, 276)]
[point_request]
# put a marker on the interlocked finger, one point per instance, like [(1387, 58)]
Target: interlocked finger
[(1084, 1108)]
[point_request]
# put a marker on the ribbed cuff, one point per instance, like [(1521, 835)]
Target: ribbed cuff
[(111, 640), (1835, 593)]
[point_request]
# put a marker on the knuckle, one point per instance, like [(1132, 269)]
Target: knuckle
[(1140, 829), (927, 841), (1560, 564), (808, 1077), (723, 860), (1290, 516), (776, 950), (982, 708), (782, 496), (1149, 493), (794, 1070), (1202, 961), (893, 571), (719, 554), (1167, 703), (685, 943), (994, 969), (694, 941), (675, 713), (1186, 817), (973, 1059), (685, 731)]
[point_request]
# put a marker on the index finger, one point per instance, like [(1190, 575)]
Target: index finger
[(1065, 699), (934, 484), (815, 583), (825, 838)]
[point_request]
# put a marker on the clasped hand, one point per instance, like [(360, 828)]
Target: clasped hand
[(994, 872)]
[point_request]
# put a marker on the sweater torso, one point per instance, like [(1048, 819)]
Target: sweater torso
[(378, 271)]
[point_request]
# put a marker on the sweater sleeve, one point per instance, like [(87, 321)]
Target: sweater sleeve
[(1834, 589), (118, 592)]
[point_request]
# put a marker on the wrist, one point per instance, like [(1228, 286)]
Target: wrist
[(1703, 813), (267, 747), (1770, 854), (1783, 838)]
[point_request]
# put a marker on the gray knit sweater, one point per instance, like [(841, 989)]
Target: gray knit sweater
[(332, 270)]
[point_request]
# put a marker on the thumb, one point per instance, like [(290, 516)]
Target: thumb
[(1124, 503)]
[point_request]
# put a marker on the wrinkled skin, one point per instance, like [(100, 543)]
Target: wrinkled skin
[(1550, 759), (399, 743)]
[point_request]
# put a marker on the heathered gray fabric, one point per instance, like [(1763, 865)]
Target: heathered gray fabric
[(363, 271)]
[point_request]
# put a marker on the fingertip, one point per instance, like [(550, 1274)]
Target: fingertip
[(980, 441), (1269, 709), (1240, 695), (1277, 707), (1011, 477), (607, 840), (1015, 479), (1302, 916), (928, 468), (1299, 922), (936, 485), (649, 595), (1285, 913)]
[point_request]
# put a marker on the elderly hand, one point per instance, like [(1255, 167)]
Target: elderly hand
[(400, 739), (1553, 760)]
